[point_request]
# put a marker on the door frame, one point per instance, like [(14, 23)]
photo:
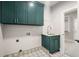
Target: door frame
[(67, 11)]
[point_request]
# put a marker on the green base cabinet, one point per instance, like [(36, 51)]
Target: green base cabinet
[(51, 43), (21, 12)]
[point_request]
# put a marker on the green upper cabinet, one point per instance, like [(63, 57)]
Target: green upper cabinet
[(21, 12), (35, 13), (8, 12), (0, 12)]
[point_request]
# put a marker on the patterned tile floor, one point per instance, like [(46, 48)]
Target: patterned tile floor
[(71, 49), (36, 52)]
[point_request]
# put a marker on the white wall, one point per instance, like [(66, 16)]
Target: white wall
[(46, 17), (13, 32), (57, 18), (1, 42)]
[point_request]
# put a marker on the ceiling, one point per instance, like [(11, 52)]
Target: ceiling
[(50, 3)]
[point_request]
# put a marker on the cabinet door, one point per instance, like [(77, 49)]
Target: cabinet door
[(52, 45), (0, 12), (45, 42), (35, 13), (21, 12), (39, 14), (57, 43), (31, 13), (8, 12)]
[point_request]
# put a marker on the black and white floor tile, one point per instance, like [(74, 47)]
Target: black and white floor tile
[(36, 52)]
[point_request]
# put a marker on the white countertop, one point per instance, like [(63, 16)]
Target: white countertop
[(50, 35)]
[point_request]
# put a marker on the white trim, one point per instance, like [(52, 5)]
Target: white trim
[(70, 9)]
